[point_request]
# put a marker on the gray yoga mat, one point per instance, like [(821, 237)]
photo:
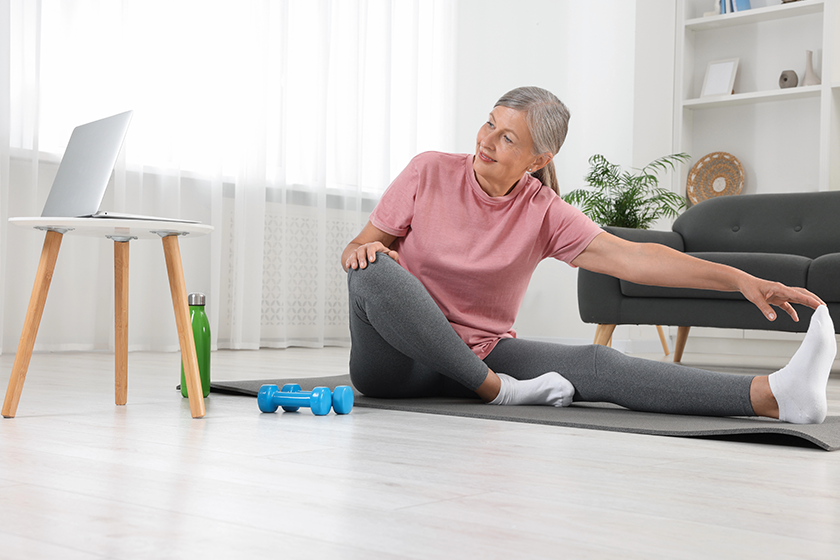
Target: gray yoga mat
[(591, 416)]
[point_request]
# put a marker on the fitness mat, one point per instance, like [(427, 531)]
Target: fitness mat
[(591, 416)]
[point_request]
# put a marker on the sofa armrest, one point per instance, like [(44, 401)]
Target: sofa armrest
[(824, 277), (671, 239), (599, 298)]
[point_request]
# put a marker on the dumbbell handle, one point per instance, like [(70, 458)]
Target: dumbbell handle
[(295, 399), (319, 400)]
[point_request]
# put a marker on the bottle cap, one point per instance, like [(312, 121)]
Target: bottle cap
[(195, 298)]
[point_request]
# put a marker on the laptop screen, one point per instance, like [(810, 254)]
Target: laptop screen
[(86, 167)]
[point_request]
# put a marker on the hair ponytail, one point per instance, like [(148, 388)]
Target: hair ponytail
[(548, 177)]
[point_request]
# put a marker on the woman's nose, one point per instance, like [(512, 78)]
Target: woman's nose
[(489, 140)]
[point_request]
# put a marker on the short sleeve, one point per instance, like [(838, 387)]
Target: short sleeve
[(569, 231), (395, 210)]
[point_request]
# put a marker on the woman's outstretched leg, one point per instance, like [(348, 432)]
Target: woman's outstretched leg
[(602, 374)]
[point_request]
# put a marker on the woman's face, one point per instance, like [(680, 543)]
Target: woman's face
[(503, 151)]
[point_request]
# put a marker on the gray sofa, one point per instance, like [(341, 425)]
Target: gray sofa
[(789, 238)]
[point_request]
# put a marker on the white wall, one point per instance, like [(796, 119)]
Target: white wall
[(583, 51)]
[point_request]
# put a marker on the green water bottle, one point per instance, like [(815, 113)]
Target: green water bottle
[(201, 333)]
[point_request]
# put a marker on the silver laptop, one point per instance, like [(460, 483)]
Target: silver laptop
[(85, 169)]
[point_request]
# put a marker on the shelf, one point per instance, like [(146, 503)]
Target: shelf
[(770, 13), (752, 98)]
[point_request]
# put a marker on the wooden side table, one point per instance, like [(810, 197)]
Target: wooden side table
[(120, 231)]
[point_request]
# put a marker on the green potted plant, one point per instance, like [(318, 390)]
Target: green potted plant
[(623, 199)]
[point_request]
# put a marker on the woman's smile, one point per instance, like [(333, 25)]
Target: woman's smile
[(485, 157)]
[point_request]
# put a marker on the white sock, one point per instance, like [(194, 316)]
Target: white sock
[(549, 388), (800, 386)]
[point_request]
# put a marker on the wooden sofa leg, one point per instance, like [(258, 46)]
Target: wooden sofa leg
[(682, 338), (662, 339), (603, 334)]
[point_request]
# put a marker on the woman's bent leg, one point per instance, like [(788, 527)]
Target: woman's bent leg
[(402, 344), (601, 374)]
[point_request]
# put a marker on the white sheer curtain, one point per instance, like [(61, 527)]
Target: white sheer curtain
[(278, 122)]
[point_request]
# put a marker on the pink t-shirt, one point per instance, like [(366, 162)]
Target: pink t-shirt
[(474, 253)]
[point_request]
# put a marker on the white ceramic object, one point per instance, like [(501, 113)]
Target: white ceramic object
[(810, 78)]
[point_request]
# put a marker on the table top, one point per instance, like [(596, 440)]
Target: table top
[(119, 229)]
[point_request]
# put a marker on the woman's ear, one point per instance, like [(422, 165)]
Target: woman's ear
[(541, 161)]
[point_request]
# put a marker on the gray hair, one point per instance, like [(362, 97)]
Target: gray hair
[(548, 121)]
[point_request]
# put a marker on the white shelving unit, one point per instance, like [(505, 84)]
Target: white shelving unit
[(787, 140)]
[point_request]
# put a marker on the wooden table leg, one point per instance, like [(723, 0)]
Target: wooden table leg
[(175, 269), (120, 322), (49, 255)]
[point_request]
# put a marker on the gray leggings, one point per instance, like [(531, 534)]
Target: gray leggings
[(403, 346)]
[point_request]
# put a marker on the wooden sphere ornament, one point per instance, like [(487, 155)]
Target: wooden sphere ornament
[(715, 174)]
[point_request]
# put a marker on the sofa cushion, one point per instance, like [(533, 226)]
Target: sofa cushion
[(791, 270), (824, 277), (788, 223)]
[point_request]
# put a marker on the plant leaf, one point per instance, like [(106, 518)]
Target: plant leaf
[(621, 198)]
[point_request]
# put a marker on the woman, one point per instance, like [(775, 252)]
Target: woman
[(437, 276)]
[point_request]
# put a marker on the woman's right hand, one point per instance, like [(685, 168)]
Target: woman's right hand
[(362, 250), (361, 255)]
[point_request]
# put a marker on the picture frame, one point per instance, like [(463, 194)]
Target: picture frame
[(720, 77)]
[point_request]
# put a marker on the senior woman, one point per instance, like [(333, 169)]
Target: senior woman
[(437, 276)]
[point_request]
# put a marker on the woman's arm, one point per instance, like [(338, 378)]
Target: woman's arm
[(653, 264), (364, 247)]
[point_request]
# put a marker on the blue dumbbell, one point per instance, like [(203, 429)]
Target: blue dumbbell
[(342, 397), (291, 398)]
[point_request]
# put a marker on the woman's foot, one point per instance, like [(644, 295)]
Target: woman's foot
[(548, 389), (799, 387)]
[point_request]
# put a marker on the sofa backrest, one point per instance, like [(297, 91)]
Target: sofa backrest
[(806, 224)]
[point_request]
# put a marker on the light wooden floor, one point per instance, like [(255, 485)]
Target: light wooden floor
[(82, 478)]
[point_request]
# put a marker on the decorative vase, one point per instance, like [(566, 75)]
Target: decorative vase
[(788, 79), (810, 78)]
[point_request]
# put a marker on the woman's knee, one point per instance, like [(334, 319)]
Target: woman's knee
[(375, 275)]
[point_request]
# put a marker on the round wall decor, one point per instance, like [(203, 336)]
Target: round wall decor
[(715, 174)]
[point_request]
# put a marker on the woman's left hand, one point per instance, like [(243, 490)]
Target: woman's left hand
[(764, 294)]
